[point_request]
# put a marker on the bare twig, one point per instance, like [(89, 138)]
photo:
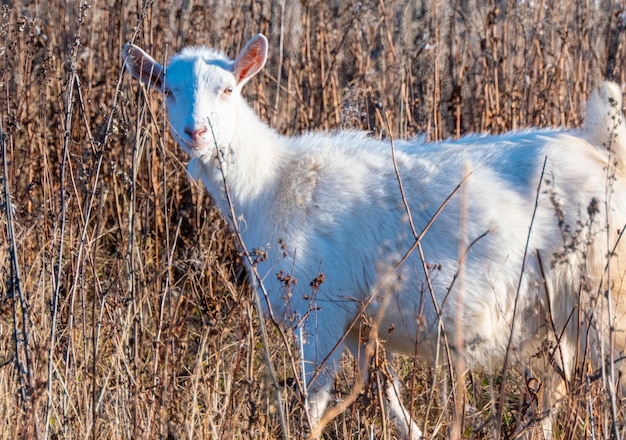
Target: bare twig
[(505, 362), (257, 300), (22, 314), (61, 237)]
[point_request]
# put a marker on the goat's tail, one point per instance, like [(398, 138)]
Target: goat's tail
[(604, 124)]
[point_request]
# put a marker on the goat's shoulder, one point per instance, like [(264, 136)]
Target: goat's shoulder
[(325, 174)]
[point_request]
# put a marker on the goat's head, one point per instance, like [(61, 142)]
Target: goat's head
[(201, 88)]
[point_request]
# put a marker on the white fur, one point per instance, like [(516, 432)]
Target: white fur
[(333, 201)]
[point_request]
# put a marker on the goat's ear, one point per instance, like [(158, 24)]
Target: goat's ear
[(142, 66), (251, 59)]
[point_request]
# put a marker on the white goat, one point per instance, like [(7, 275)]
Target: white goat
[(543, 219)]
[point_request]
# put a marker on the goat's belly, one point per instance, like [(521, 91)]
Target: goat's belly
[(480, 335)]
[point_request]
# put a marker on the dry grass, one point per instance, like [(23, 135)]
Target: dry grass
[(123, 313)]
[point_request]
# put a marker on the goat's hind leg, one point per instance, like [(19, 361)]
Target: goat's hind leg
[(319, 379)]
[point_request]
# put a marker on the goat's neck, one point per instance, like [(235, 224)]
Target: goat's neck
[(250, 166)]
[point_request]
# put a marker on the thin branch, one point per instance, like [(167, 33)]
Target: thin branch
[(67, 128), (505, 362), (257, 299), (21, 337)]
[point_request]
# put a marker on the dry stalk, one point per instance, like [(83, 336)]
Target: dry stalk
[(257, 300), (96, 354), (505, 362)]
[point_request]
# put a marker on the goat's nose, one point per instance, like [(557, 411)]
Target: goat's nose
[(195, 133)]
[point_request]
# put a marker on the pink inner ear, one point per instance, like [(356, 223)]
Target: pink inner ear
[(247, 64), (250, 61)]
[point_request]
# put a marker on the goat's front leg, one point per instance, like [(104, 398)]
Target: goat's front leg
[(321, 360)]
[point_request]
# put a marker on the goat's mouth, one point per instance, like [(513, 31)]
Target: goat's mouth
[(196, 148), (199, 148)]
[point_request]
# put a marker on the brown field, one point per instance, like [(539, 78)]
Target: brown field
[(123, 314)]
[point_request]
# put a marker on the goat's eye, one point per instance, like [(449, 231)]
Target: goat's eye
[(167, 93), (228, 90)]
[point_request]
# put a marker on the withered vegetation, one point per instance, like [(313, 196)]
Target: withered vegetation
[(123, 307)]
